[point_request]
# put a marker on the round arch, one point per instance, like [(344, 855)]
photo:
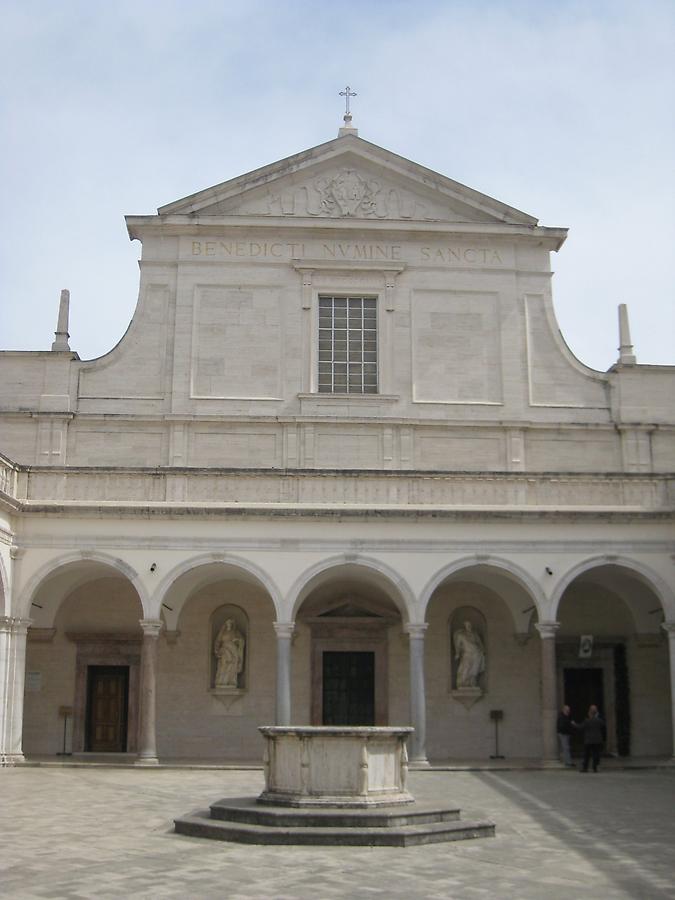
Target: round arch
[(643, 573), (501, 567), (386, 577), (223, 561), (71, 560)]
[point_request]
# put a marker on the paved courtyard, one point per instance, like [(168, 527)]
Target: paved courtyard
[(107, 833)]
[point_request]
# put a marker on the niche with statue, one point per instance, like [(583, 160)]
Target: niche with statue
[(229, 650), (468, 655)]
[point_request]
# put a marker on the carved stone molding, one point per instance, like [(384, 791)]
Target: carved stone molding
[(41, 635), (467, 696), (14, 624), (227, 697), (649, 640), (104, 637), (416, 631), (547, 630), (151, 627)]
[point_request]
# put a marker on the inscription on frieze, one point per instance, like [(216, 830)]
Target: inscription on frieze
[(448, 255)]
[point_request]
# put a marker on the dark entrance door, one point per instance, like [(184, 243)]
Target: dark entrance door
[(582, 688), (107, 709), (348, 688)]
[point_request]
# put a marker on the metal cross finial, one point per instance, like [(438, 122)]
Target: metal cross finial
[(347, 93)]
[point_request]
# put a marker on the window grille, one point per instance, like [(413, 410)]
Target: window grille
[(347, 345)]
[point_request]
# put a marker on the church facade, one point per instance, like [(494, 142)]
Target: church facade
[(341, 469)]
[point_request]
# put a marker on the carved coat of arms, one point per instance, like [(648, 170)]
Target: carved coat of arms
[(347, 194)]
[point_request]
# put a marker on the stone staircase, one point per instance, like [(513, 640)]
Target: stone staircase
[(247, 821)]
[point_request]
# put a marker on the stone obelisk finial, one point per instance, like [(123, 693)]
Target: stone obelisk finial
[(61, 333), (348, 128), (626, 352)]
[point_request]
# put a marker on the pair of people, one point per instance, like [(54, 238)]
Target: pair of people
[(593, 730)]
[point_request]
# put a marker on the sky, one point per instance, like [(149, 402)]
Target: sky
[(565, 110)]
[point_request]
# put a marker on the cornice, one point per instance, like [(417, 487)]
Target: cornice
[(367, 512), (193, 224)]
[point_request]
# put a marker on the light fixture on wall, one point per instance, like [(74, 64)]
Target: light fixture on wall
[(153, 567), (549, 571)]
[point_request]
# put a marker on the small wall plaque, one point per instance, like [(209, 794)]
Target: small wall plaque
[(33, 682)]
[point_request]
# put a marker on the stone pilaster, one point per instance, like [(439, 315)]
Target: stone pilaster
[(284, 633), (669, 628), (12, 677), (549, 697), (147, 751), (418, 701)]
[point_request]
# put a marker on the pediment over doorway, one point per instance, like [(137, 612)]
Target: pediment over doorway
[(350, 609)]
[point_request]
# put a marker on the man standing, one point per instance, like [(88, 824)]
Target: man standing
[(593, 728), (564, 728)]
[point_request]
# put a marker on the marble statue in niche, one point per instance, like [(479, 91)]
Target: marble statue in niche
[(470, 655), (468, 652), (229, 648)]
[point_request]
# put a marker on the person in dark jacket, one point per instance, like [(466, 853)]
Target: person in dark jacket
[(564, 728), (593, 730)]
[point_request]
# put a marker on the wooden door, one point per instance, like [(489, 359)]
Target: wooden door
[(348, 688), (107, 709)]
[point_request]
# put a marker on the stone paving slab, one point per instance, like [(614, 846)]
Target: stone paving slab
[(107, 833)]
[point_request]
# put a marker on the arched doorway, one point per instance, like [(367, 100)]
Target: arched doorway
[(350, 659), (612, 652), (82, 692)]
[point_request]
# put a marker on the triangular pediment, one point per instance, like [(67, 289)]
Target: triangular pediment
[(347, 178), (349, 610)]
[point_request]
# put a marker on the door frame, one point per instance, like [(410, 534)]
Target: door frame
[(95, 649), (567, 657), (353, 633)]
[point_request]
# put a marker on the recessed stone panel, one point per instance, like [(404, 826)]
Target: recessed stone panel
[(234, 448), (461, 453), (556, 452), (236, 343), (110, 445), (342, 449), (456, 347)]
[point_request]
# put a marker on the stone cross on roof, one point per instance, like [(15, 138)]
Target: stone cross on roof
[(347, 128)]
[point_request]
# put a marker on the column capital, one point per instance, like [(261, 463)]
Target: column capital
[(284, 629), (151, 627), (669, 628), (15, 624), (415, 629), (547, 630)]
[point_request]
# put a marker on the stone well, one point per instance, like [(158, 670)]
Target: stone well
[(335, 766), (332, 786)]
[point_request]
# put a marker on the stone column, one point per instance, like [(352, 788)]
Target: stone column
[(418, 701), (12, 677), (549, 696), (669, 628), (147, 751), (284, 632)]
